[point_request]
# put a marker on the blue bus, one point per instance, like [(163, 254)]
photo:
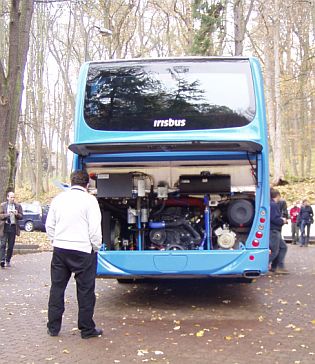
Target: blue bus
[(177, 153)]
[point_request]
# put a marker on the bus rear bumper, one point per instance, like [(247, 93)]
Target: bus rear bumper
[(250, 263)]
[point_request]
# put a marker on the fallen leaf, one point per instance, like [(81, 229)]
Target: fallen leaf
[(290, 326), (200, 333), (141, 352), (282, 301)]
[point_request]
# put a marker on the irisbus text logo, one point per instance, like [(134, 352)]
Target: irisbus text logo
[(169, 123)]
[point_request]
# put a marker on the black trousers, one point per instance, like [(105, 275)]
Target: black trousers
[(65, 262), (7, 242)]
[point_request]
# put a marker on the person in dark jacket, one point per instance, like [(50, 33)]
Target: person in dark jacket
[(304, 220), (277, 248), (10, 213), (283, 207)]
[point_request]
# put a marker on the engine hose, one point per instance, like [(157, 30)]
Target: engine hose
[(165, 224), (193, 232), (157, 225), (202, 244), (112, 208), (159, 210), (180, 222)]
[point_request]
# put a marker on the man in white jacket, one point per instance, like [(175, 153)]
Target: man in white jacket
[(74, 227)]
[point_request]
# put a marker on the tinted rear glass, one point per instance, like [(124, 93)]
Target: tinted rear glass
[(181, 95)]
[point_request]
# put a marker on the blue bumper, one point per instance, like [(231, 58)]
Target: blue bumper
[(218, 263)]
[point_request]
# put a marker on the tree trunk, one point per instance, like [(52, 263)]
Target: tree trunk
[(240, 24), (278, 153), (238, 28), (11, 88)]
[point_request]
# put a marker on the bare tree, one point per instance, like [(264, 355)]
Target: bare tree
[(11, 87), (279, 33), (240, 24)]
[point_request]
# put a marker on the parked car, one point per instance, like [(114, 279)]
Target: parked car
[(34, 216), (286, 230)]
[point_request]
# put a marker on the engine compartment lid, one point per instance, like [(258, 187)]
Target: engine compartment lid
[(85, 149)]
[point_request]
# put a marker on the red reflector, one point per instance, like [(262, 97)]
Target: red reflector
[(251, 257), (259, 234), (262, 219), (255, 243)]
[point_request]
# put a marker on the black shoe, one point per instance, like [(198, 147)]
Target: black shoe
[(51, 333), (2, 264), (94, 333)]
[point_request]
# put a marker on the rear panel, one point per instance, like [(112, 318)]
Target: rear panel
[(177, 154)]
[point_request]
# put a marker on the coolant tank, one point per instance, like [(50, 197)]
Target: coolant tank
[(144, 215), (132, 216), (162, 192), (141, 187)]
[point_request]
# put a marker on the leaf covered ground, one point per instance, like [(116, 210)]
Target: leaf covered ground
[(298, 191)]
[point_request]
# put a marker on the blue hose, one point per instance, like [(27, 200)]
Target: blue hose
[(157, 225), (207, 216)]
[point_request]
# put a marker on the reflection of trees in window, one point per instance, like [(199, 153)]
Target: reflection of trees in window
[(131, 97), (185, 95), (114, 95)]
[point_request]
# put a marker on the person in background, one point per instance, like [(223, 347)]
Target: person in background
[(277, 248), (74, 226), (294, 212), (283, 207), (10, 213), (304, 220)]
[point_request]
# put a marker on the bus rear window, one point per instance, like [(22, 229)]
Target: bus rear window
[(168, 95)]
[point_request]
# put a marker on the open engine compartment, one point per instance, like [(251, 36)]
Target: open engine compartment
[(175, 205)]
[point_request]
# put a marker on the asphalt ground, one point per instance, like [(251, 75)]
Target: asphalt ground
[(271, 320)]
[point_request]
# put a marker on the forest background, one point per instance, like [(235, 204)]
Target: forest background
[(43, 43)]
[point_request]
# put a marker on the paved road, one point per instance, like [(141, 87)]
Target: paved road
[(269, 321)]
